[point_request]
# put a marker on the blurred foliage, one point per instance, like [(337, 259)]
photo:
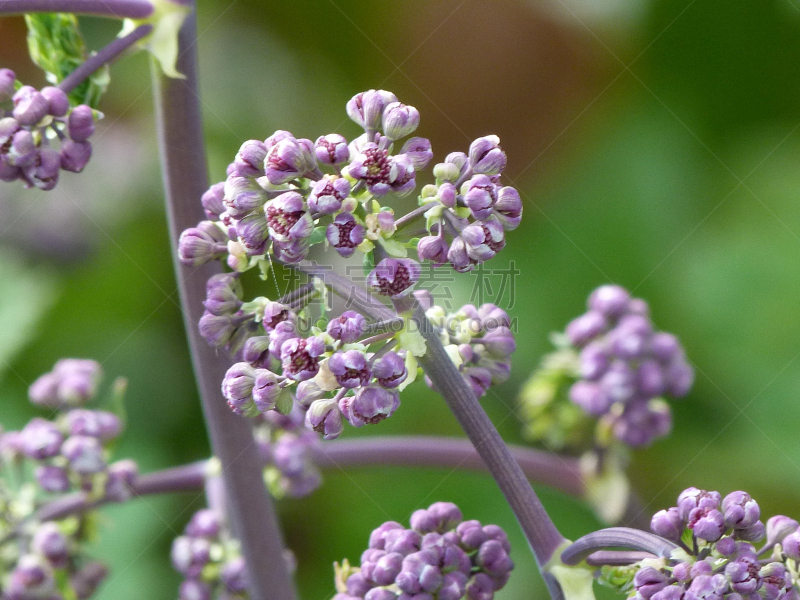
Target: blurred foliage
[(655, 147)]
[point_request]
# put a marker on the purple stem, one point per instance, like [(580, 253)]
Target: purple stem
[(181, 144), (616, 558), (105, 56), (616, 537), (117, 9), (412, 215)]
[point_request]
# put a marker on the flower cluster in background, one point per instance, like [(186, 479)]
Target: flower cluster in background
[(618, 369), (441, 556), (718, 557), (41, 134), (209, 560)]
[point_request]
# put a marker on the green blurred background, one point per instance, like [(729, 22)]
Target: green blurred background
[(655, 143)]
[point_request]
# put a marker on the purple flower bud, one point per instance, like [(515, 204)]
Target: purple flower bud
[(50, 543), (399, 120), (480, 587), (494, 559), (667, 524), (791, 545), (347, 327), (121, 477), (366, 108), (778, 527), (753, 533), (692, 498), (253, 232), (377, 538), (212, 201), (707, 523), (217, 330), (370, 405), (508, 208), (277, 137), (619, 381), (201, 244), (234, 575), (300, 357), (204, 523), (641, 422), (387, 568), (41, 439), (484, 239), (44, 172), (99, 424), (7, 78), (75, 155), (585, 328), (327, 194), (650, 377), (84, 453), (665, 347), (480, 194), (590, 397), (265, 390), (237, 387), (629, 339), (190, 555), (679, 377), (242, 196), (283, 332), (776, 581), (744, 576), (683, 571), (350, 368), (433, 248), (249, 161), (194, 589), (223, 294), (345, 234), (22, 151), (499, 342), (88, 578), (30, 579), (479, 378), (610, 300), (486, 157), (30, 106), (383, 173), (458, 257), (726, 546), (418, 151), (649, 581), (594, 361), (332, 149), (287, 218), (390, 370), (740, 510), (394, 277), (52, 479), (324, 417), (288, 159), (8, 172), (57, 101), (77, 380), (80, 124)]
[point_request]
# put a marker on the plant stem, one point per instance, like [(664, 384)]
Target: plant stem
[(105, 56), (183, 159), (117, 9), (616, 557), (409, 217), (616, 537)]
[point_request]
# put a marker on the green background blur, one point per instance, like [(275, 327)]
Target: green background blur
[(655, 144)]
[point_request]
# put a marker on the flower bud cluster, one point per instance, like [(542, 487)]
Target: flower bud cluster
[(441, 557), (720, 560), (209, 560), (35, 120), (618, 368), (480, 342), (470, 210), (71, 451)]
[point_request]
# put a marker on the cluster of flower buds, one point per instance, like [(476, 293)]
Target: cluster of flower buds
[(469, 210), (35, 121), (440, 557), (288, 448), (71, 451), (51, 566), (209, 560), (718, 558), (480, 342), (619, 369)]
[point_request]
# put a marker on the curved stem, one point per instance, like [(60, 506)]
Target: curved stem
[(411, 216), (181, 144), (616, 537), (105, 56), (616, 558), (117, 9)]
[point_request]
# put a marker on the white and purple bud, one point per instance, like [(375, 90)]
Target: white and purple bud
[(212, 200), (399, 120), (499, 342), (394, 277), (679, 376), (289, 159), (347, 327), (237, 387), (486, 157), (483, 239), (366, 109), (585, 328), (189, 555), (266, 390), (619, 381), (293, 251), (493, 558), (78, 380), (282, 333), (706, 523), (217, 330), (438, 517), (44, 172), (740, 510), (249, 161), (223, 294), (479, 378), (650, 378), (75, 155), (667, 524), (324, 416), (300, 357), (776, 582), (22, 151), (665, 347), (288, 219), (49, 543), (276, 137), (234, 575), (480, 195), (253, 233), (7, 79), (84, 453), (648, 581), (332, 149), (80, 123), (30, 106), (31, 579), (41, 439), (52, 479), (778, 527), (418, 151), (194, 589), (256, 351), (692, 498), (642, 422), (590, 397), (629, 339), (121, 478), (743, 575), (609, 300), (201, 244), (327, 194), (204, 523), (370, 405), (390, 370), (350, 368), (307, 392), (754, 533), (57, 101), (433, 248), (458, 257), (508, 208)]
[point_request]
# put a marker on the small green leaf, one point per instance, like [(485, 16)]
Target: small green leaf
[(56, 45), (369, 263), (285, 402), (167, 20), (318, 235)]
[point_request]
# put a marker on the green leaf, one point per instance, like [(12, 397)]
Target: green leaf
[(369, 263), (576, 581), (56, 45), (318, 235), (167, 20)]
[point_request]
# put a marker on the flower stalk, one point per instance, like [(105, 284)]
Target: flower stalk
[(116, 9)]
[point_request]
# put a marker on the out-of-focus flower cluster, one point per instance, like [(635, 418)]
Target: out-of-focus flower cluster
[(48, 458), (480, 342), (209, 560), (441, 557), (718, 558), (617, 367), (41, 134)]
